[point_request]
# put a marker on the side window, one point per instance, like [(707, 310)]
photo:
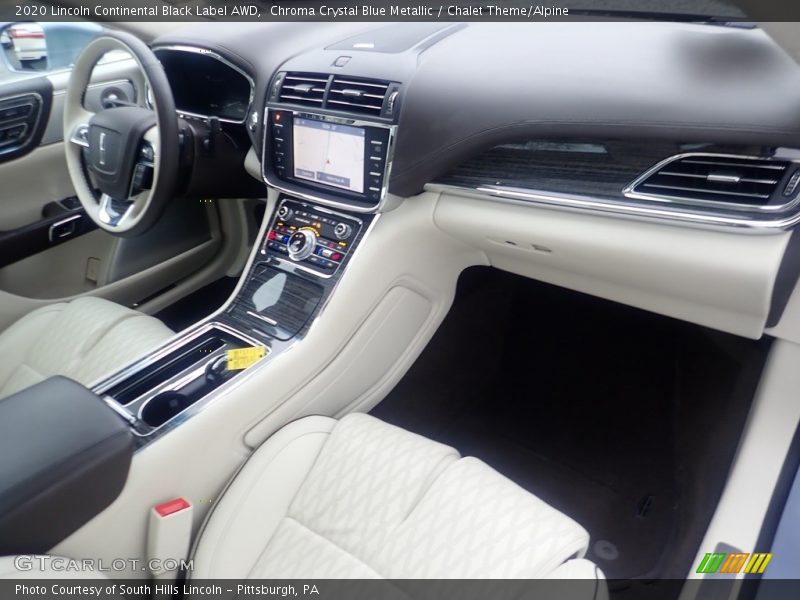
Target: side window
[(30, 47)]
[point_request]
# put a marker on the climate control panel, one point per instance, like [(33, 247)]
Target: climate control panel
[(319, 240)]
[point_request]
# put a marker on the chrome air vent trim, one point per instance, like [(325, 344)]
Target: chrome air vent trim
[(358, 96), (305, 89), (721, 182), (355, 96)]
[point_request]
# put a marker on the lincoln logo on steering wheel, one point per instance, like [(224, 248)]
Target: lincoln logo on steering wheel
[(102, 149)]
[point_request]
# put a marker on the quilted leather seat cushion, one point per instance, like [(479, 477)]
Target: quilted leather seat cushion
[(84, 339), (359, 498)]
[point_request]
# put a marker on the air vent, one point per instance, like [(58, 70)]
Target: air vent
[(306, 89), (357, 96), (335, 92), (718, 179), (18, 117)]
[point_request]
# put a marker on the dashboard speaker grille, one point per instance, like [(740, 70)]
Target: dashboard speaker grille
[(334, 92), (714, 178)]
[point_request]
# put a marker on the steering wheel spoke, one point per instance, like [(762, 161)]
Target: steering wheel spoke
[(112, 211), (80, 135), (79, 127)]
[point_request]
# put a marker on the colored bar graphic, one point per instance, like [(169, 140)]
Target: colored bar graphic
[(758, 562), (734, 562), (721, 562), (711, 562)]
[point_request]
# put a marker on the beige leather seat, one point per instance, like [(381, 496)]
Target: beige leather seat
[(358, 498), (84, 339)]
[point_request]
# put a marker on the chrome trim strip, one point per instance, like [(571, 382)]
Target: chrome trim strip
[(80, 137), (629, 192), (310, 196), (223, 60), (53, 227), (267, 320), (120, 410), (176, 343), (589, 205)]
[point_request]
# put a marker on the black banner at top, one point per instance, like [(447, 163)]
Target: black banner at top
[(720, 11)]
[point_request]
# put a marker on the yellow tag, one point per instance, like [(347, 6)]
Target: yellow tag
[(241, 358)]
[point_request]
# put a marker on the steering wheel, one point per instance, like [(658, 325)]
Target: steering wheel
[(123, 161)]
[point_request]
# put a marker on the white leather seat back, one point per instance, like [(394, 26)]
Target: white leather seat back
[(364, 499), (84, 339)]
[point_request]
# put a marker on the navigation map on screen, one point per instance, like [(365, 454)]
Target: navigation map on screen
[(329, 153)]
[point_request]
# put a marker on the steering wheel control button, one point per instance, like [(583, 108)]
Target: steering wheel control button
[(147, 153), (142, 178)]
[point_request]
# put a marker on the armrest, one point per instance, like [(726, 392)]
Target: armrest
[(64, 457)]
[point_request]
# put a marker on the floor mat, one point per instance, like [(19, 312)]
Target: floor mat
[(197, 305), (576, 399)]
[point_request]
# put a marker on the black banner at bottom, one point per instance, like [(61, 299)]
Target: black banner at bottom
[(716, 588)]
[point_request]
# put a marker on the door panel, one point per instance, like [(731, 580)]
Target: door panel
[(60, 271), (183, 252), (28, 184)]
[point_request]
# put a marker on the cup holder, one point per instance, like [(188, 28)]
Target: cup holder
[(161, 408)]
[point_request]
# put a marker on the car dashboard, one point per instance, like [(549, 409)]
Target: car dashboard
[(617, 117), (604, 158)]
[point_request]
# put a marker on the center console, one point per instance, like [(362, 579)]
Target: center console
[(331, 169), (302, 251)]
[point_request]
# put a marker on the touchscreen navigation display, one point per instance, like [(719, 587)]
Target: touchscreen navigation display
[(329, 154)]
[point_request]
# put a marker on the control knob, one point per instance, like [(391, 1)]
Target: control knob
[(284, 212), (301, 245), (342, 231)]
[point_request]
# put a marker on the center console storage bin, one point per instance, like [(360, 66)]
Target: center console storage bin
[(177, 377)]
